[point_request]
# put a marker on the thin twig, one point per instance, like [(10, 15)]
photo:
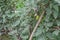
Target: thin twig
[(37, 24)]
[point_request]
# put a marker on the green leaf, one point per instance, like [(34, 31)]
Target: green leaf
[(50, 35), (39, 31), (15, 23), (58, 1), (14, 37), (58, 23), (51, 5), (56, 8), (4, 19), (48, 11), (55, 14), (49, 24), (42, 37), (56, 32)]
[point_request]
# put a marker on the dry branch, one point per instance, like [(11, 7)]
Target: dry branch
[(37, 24)]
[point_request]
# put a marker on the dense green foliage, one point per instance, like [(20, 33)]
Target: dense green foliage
[(19, 17)]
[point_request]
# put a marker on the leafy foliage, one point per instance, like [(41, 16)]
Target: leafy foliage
[(18, 18)]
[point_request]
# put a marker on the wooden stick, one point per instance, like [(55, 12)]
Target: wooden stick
[(37, 24)]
